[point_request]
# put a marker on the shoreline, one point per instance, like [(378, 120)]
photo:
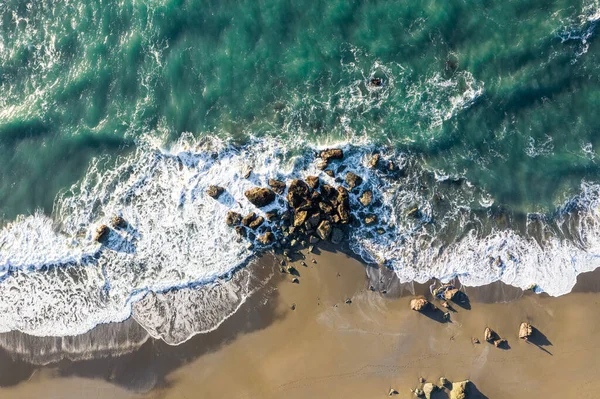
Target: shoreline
[(376, 331)]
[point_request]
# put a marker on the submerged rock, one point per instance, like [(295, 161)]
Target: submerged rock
[(277, 185), (373, 161), (366, 198), (333, 153), (118, 222), (353, 180), (215, 191), (233, 218), (525, 331), (370, 219), (260, 196), (419, 304)]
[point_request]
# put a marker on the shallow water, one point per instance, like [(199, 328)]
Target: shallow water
[(135, 107)]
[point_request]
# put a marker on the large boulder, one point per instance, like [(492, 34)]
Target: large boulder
[(233, 218), (328, 192), (459, 390), (260, 196), (366, 198), (215, 191), (451, 294), (313, 181), (249, 218), (277, 185), (102, 233), (353, 180), (428, 389), (332, 153), (419, 304), (525, 331), (300, 218), (324, 229), (298, 193)]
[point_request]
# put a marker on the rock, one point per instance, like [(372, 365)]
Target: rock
[(391, 166), (348, 301), (312, 181), (446, 316), (295, 280), (330, 173), (101, 233), (292, 270), (266, 238), (314, 261), (300, 218), (370, 219), (373, 161), (322, 164), (343, 198), (443, 381), (240, 230), (260, 196), (525, 331), (277, 185), (419, 393), (233, 218), (247, 173), (293, 307), (215, 191), (298, 193), (490, 335), (353, 180), (324, 229), (459, 390), (333, 153), (272, 215), (475, 340), (328, 192), (313, 221), (500, 343), (337, 235), (422, 380), (451, 294), (414, 213), (118, 222), (313, 239), (419, 304), (445, 305), (428, 389), (366, 198), (325, 208), (392, 392), (344, 213), (256, 222), (249, 218)]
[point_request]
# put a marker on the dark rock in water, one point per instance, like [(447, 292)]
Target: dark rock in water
[(300, 218), (272, 215), (313, 221), (366, 198), (233, 218), (373, 161), (101, 233), (240, 230), (277, 185), (266, 238), (353, 180), (330, 173), (334, 153), (343, 196), (118, 222), (328, 192), (256, 222), (249, 218), (376, 82), (322, 164), (344, 214), (298, 193), (419, 304), (391, 166), (260, 196), (215, 191), (337, 235), (312, 181), (326, 208), (324, 230), (370, 219), (313, 240), (380, 231)]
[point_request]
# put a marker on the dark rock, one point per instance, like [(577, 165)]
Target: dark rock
[(272, 215), (414, 213), (392, 392), (267, 238), (326, 208), (313, 221), (312, 181), (490, 335), (295, 280), (328, 192), (373, 161), (215, 191), (344, 214), (240, 230), (313, 240), (324, 230), (348, 301), (322, 164), (298, 193), (300, 218), (366, 198), (286, 215), (343, 197), (260, 196), (330, 173), (337, 235), (118, 222), (233, 218), (370, 219), (475, 340), (256, 222), (353, 180), (376, 82), (249, 218), (451, 294), (277, 185), (500, 343), (333, 153), (101, 233)]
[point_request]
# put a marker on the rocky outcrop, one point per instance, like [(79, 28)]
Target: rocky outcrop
[(419, 304), (313, 221), (101, 233), (277, 185), (366, 198), (233, 218), (353, 180), (298, 193), (525, 331), (215, 191), (260, 196)]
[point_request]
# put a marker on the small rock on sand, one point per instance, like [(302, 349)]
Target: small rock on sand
[(419, 304), (490, 335), (525, 331)]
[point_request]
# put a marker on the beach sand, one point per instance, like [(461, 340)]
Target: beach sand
[(327, 348)]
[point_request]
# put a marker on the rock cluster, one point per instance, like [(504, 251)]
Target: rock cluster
[(491, 336)]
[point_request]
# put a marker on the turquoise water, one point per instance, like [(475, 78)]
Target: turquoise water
[(502, 95)]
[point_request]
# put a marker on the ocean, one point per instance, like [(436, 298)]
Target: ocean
[(134, 108)]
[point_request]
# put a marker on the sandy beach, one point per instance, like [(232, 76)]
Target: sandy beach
[(303, 340)]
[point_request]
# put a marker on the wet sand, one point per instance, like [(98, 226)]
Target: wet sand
[(327, 348)]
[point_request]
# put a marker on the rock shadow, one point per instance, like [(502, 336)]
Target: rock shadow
[(540, 340)]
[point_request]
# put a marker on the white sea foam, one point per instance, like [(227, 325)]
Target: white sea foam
[(57, 281)]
